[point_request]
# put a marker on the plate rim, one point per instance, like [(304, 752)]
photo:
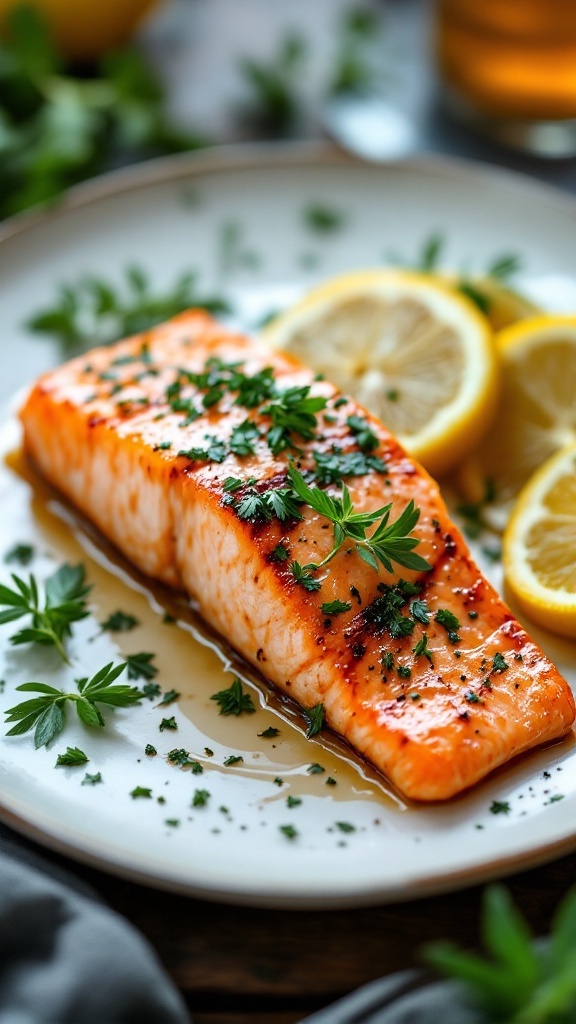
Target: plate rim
[(260, 155), (228, 159)]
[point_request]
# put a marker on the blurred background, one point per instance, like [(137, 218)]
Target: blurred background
[(85, 87)]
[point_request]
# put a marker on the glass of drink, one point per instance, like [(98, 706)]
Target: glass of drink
[(509, 68)]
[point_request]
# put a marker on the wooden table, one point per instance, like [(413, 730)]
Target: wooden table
[(238, 965)]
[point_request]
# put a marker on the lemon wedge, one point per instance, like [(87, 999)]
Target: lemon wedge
[(539, 549), (536, 414), (408, 348)]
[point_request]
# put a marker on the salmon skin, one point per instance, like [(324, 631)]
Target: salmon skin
[(177, 444)]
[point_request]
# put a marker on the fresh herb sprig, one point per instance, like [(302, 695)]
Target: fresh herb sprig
[(63, 603), (93, 311), (292, 411), (59, 127), (390, 542), (522, 983), (47, 714)]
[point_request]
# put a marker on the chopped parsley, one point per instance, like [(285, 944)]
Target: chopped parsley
[(420, 611), (169, 697), (303, 576), (168, 723), (421, 649), (141, 792), (500, 807), (292, 411), (215, 452), (345, 826), (333, 466), (92, 780), (293, 801), (289, 831), (200, 798), (279, 554), (243, 438), (150, 751), (404, 671), (119, 622), (233, 759), (335, 607), (315, 769), (499, 663), (73, 756), (315, 719), (323, 220), (233, 700), (140, 666), (270, 733), (444, 617), (365, 437), (22, 554)]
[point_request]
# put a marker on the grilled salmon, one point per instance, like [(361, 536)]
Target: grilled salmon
[(185, 447)]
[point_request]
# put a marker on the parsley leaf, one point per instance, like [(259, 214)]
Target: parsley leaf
[(233, 701), (303, 576), (169, 697), (48, 712), (73, 756), (289, 831), (332, 466), (450, 622), (92, 780), (243, 437), (292, 411), (141, 791), (499, 663), (140, 666), (365, 437), (200, 798), (335, 607), (64, 603), (315, 719), (119, 622), (20, 553), (270, 733), (421, 649)]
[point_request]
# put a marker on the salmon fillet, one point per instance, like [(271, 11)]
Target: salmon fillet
[(168, 443)]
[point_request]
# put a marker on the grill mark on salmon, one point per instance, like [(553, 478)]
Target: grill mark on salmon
[(107, 430)]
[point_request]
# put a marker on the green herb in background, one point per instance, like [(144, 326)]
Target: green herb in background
[(64, 603), (273, 103), (57, 128), (48, 712), (522, 983), (95, 312), (355, 71)]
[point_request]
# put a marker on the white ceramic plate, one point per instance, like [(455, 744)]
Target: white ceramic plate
[(241, 220)]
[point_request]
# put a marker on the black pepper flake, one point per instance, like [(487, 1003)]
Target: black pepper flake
[(358, 650)]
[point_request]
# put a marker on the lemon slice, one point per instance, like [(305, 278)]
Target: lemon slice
[(408, 348), (536, 414), (539, 548)]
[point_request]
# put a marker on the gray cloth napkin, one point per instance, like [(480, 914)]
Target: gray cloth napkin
[(405, 998), (65, 958)]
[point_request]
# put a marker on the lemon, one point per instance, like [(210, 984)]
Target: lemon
[(85, 29), (536, 414), (539, 547), (408, 348)]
